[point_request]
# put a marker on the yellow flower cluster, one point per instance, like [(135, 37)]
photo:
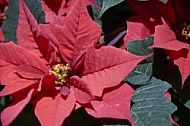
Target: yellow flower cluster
[(60, 72), (186, 31)]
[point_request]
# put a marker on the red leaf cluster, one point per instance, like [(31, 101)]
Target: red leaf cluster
[(165, 22), (95, 74)]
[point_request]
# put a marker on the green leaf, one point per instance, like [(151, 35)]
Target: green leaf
[(143, 72), (36, 9), (187, 104), (107, 4), (140, 47), (116, 125), (141, 75), (163, 1), (95, 13), (151, 107), (9, 26)]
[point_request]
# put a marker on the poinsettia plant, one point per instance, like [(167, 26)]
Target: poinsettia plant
[(94, 62)]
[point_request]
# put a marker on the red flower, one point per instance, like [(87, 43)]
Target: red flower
[(61, 7), (147, 21), (147, 15), (178, 40), (179, 52), (63, 68)]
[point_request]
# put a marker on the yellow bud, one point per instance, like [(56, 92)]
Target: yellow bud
[(60, 73)]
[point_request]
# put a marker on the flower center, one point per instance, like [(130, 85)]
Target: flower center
[(186, 32), (3, 14), (61, 74)]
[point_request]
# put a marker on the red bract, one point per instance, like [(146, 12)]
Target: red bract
[(163, 36), (183, 60), (60, 7), (138, 27), (54, 72), (32, 76), (153, 9), (111, 100), (4, 2), (148, 15), (166, 39), (32, 32)]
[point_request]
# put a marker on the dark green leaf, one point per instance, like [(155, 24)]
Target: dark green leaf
[(163, 1), (9, 26), (187, 104), (143, 72), (141, 75), (115, 125), (140, 47), (96, 12), (107, 4), (36, 9), (151, 107)]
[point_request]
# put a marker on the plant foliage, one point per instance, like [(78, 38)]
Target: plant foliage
[(94, 62)]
